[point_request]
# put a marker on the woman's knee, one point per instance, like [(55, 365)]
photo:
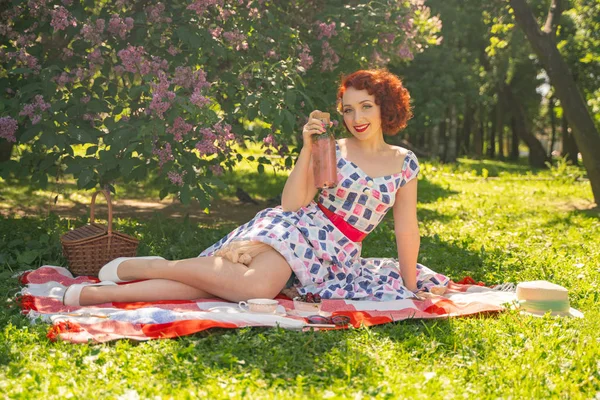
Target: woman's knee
[(269, 272)]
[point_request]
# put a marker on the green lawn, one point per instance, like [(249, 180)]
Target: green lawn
[(494, 221)]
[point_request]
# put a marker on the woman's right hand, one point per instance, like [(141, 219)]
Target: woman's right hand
[(314, 126)]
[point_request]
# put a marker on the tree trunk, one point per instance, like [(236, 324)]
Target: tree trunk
[(480, 134), (569, 146), (551, 103), (451, 143), (435, 140), (5, 150), (514, 143), (537, 154), (574, 106), (442, 137), (491, 150), (467, 126), (500, 123)]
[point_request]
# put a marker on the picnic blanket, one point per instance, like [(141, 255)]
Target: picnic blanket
[(41, 301)]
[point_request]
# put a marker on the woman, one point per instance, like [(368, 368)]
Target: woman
[(298, 243)]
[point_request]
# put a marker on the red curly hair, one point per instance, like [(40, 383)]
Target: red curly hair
[(390, 95)]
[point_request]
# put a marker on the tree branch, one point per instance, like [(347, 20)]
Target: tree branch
[(553, 17)]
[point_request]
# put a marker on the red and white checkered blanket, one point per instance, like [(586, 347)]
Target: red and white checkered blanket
[(41, 300)]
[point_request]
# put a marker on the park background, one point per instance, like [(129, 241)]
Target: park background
[(191, 114)]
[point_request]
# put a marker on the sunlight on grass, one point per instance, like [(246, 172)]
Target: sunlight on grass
[(510, 225)]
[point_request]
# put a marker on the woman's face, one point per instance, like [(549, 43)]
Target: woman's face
[(361, 115)]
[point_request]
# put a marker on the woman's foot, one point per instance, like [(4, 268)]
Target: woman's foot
[(109, 271), (72, 295)]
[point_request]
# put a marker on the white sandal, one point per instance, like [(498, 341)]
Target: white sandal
[(73, 293), (109, 271)]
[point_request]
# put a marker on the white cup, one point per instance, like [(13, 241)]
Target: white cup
[(267, 306)]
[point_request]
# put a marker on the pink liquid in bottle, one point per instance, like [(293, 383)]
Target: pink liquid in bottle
[(323, 156)]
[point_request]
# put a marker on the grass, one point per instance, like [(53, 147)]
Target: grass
[(506, 224)]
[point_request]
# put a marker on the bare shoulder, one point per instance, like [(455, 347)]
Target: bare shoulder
[(397, 155)]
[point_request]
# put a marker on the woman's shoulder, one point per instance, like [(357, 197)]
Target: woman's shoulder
[(399, 155)]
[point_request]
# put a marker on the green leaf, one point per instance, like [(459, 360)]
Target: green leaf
[(290, 99), (252, 113), (85, 178), (30, 133), (184, 194), (81, 136), (136, 91), (265, 107), (91, 150), (289, 121), (27, 257)]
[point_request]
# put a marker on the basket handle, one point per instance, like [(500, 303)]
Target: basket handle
[(107, 196)]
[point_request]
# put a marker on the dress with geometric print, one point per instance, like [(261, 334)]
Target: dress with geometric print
[(322, 258)]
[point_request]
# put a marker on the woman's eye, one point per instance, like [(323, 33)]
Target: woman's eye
[(347, 110), (367, 106)]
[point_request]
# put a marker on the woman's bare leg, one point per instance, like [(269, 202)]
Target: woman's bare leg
[(265, 276), (150, 290)]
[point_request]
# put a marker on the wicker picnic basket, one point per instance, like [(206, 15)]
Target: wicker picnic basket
[(90, 247)]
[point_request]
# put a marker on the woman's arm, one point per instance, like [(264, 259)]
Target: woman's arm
[(300, 188), (406, 227)]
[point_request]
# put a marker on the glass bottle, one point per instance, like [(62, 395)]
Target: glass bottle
[(323, 155)]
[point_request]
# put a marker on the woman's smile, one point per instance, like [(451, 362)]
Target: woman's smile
[(361, 128)]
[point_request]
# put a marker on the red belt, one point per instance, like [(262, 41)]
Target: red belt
[(348, 230)]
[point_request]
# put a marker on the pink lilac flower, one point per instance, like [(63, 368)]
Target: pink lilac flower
[(206, 146), (216, 33), (224, 14), (67, 3), (236, 39), (95, 58), (85, 99), (245, 78), (330, 58), (67, 53), (159, 94), (33, 110), (224, 135), (379, 60), (164, 155), (271, 54), (200, 6), (216, 169), (91, 33), (23, 58), (156, 13), (176, 178), (268, 143), (405, 52), (325, 30), (172, 50), (179, 128), (8, 128), (63, 79), (118, 26), (198, 99), (254, 14), (61, 19), (132, 58), (306, 59), (37, 7)]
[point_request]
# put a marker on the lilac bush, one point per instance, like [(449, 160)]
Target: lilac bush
[(167, 90)]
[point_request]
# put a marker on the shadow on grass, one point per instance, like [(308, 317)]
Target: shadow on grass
[(429, 192)]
